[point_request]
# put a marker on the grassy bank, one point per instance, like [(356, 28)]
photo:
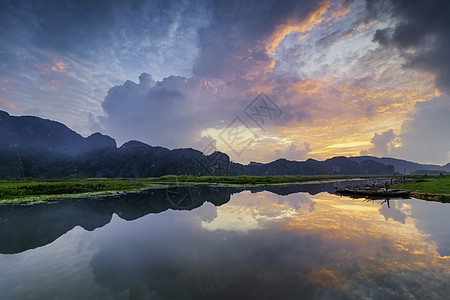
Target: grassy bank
[(435, 188), (11, 191)]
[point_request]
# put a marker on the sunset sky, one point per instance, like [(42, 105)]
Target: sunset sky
[(338, 77)]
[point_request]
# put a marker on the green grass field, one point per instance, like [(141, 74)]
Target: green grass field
[(437, 185), (12, 189), (435, 188)]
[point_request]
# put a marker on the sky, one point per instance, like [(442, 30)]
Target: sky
[(258, 80)]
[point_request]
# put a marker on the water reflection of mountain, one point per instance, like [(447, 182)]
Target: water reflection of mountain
[(28, 227), (310, 188)]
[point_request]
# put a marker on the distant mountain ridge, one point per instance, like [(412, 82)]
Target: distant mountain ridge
[(403, 166), (35, 147), (29, 132)]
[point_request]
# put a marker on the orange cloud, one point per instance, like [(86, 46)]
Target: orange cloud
[(311, 86), (258, 74), (324, 277), (340, 12), (344, 114), (337, 113), (56, 66), (313, 19)]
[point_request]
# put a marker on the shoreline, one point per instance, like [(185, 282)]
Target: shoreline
[(185, 181), (154, 184), (444, 198)]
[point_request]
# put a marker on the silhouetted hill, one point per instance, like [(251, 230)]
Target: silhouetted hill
[(333, 166), (32, 133), (35, 147), (403, 166)]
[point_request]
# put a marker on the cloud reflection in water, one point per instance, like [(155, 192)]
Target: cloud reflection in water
[(267, 246)]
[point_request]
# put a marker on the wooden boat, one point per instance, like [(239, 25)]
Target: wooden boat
[(372, 192)]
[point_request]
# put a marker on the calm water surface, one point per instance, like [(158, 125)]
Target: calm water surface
[(296, 242)]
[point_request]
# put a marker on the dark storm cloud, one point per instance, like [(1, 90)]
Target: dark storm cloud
[(171, 112), (421, 33), (233, 44)]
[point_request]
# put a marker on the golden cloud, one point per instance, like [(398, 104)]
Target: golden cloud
[(56, 66), (314, 18)]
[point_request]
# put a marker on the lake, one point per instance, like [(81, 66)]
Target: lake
[(281, 242)]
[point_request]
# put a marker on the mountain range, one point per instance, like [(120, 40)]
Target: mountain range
[(35, 147)]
